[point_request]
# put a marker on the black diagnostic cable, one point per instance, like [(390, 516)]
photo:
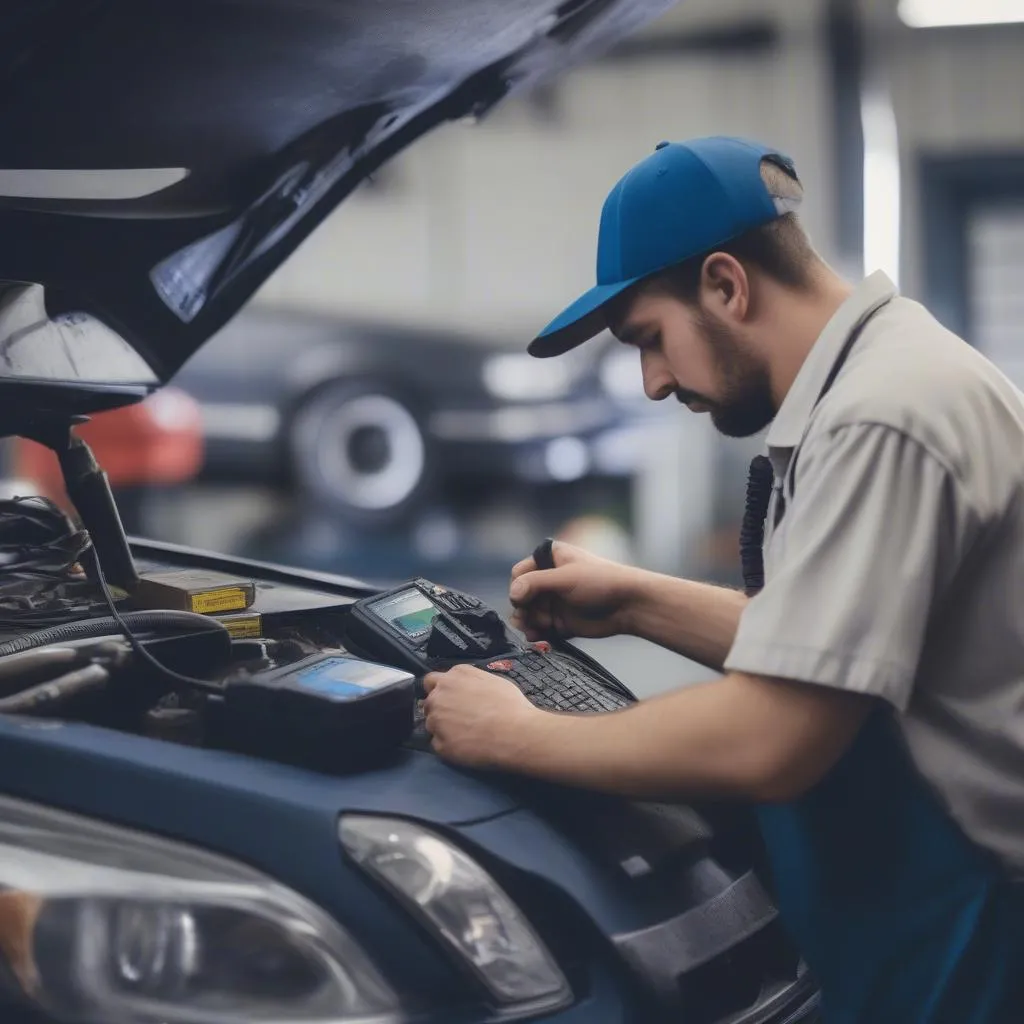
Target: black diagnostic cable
[(38, 539), (43, 587), (89, 489), (137, 646)]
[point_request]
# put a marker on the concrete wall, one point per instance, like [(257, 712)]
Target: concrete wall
[(493, 226), (954, 92)]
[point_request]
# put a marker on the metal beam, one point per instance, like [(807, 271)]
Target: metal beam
[(845, 52)]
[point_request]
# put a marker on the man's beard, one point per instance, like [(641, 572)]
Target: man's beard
[(745, 405)]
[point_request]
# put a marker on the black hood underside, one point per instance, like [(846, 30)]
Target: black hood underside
[(161, 158)]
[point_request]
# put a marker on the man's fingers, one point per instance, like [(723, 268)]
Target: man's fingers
[(526, 565), (430, 680), (531, 585), (536, 623)]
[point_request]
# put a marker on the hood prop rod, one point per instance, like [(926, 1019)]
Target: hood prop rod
[(88, 488)]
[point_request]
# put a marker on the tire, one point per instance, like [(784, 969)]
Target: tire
[(358, 450)]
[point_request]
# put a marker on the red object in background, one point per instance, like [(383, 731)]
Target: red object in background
[(156, 443)]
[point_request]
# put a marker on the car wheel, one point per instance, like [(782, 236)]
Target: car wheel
[(359, 449)]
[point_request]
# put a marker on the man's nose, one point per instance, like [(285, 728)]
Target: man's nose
[(658, 382)]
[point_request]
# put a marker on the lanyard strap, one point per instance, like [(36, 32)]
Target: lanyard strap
[(844, 354), (761, 475)]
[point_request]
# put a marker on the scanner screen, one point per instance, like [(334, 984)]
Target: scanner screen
[(410, 611)]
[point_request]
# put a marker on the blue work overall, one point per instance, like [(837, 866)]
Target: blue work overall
[(899, 915), (902, 918)]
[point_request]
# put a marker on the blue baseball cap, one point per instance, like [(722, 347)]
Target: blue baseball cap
[(680, 202)]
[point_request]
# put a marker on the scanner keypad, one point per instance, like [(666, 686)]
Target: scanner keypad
[(558, 685)]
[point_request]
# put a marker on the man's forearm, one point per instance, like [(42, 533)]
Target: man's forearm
[(701, 741), (640, 753), (738, 736), (696, 620)]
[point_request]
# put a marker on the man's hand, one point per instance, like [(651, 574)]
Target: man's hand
[(740, 736), (476, 718), (582, 596), (588, 596)]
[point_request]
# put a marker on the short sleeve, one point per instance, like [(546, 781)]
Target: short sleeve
[(873, 534)]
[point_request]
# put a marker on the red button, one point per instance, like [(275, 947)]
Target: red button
[(543, 646), (500, 666)]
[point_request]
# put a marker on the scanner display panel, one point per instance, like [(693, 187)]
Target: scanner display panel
[(345, 678), (410, 611)]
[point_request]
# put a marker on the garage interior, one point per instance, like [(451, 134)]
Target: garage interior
[(908, 129)]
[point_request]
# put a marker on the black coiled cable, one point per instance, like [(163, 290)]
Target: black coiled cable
[(760, 479), (150, 621), (41, 582)]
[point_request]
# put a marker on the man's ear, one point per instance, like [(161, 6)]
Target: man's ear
[(725, 287)]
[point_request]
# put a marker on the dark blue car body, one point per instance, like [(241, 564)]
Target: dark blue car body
[(693, 939)]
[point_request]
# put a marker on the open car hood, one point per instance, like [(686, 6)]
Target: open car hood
[(162, 158)]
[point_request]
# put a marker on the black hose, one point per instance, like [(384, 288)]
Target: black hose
[(150, 621)]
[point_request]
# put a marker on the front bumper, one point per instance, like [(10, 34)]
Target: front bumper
[(562, 867)]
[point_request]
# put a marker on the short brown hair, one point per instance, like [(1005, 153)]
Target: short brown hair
[(779, 249)]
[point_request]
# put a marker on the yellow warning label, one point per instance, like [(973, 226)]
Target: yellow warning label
[(244, 626), (226, 599)]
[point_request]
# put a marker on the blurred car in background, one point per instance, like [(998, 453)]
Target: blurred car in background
[(367, 419)]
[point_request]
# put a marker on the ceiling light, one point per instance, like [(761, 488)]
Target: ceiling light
[(942, 13)]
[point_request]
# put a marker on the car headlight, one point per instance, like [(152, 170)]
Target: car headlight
[(106, 926), (518, 377), (461, 903)]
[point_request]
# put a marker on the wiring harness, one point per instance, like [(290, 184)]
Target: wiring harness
[(42, 582)]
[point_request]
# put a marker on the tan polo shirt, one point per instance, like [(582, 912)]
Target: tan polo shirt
[(898, 568)]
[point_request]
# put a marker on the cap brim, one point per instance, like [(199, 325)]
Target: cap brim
[(580, 322)]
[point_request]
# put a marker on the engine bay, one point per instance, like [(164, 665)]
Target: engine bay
[(199, 652)]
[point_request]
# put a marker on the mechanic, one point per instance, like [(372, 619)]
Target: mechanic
[(871, 696)]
